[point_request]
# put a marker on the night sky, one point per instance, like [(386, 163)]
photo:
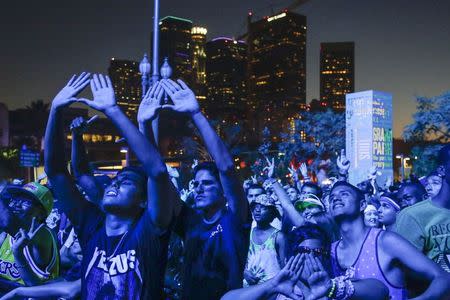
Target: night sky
[(402, 46)]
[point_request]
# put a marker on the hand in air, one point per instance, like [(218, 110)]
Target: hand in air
[(103, 92), (183, 98), (343, 163), (270, 167), (150, 104), (67, 95), (79, 124)]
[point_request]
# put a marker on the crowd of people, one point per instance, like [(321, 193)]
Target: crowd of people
[(141, 235)]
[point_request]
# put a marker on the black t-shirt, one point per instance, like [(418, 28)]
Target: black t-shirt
[(215, 254), (128, 266)]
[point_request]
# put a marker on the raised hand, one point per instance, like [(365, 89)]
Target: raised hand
[(319, 281), (103, 92), (373, 173), (304, 170), (343, 163), (150, 104), (270, 167), (23, 238), (388, 182), (183, 98), (173, 172), (79, 124), (184, 194), (67, 95), (254, 179), (284, 282), (194, 164)]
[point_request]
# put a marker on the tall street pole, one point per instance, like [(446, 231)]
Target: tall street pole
[(155, 74)]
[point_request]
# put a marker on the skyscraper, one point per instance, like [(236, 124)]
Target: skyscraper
[(175, 43), (276, 70), (198, 35), (126, 79), (337, 73), (226, 76)]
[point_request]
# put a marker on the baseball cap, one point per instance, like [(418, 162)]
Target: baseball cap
[(36, 191), (308, 201)]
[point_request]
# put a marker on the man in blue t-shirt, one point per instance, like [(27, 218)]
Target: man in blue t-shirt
[(124, 250)]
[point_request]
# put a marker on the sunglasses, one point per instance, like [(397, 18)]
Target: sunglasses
[(15, 201), (314, 251)]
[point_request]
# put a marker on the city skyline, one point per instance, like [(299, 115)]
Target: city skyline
[(401, 47)]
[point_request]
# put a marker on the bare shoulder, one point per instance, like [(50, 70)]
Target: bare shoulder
[(392, 242)]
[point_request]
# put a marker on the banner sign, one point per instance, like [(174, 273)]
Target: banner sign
[(369, 134)]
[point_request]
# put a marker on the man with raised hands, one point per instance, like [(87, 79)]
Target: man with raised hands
[(124, 249), (216, 234)]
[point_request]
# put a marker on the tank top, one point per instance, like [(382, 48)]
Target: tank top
[(262, 259), (367, 264), (8, 267)]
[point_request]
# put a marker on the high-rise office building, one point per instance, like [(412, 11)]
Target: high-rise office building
[(226, 74), (276, 71), (337, 73), (198, 54), (126, 79), (176, 43)]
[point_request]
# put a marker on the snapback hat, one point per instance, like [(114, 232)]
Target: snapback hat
[(36, 191)]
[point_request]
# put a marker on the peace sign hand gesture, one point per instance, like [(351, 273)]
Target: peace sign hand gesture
[(23, 238)]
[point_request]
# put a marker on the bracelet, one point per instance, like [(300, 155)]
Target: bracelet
[(340, 292), (349, 289), (332, 289)]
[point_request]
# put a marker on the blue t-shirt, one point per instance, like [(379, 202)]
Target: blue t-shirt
[(215, 254), (128, 266)]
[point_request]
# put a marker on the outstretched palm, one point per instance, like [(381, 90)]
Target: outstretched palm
[(342, 162), (150, 104), (284, 282), (183, 98), (103, 93), (319, 281), (75, 85)]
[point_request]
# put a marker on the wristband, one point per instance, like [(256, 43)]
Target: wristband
[(332, 289)]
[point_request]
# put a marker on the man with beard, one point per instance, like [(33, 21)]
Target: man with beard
[(124, 251), (29, 252)]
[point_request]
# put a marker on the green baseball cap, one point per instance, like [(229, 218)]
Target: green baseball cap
[(310, 200), (36, 191)]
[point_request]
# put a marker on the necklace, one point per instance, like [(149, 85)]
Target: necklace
[(214, 218), (117, 246)]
